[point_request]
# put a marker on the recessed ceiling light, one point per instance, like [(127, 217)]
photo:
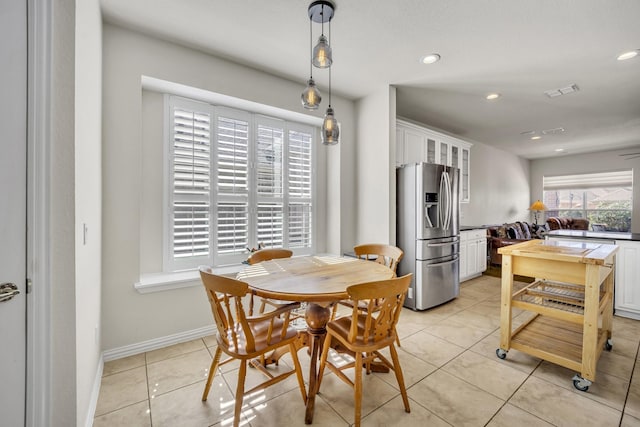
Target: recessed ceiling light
[(430, 59), (559, 150), (493, 96), (536, 137), (628, 55)]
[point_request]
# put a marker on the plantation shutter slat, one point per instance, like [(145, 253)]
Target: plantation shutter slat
[(233, 226), (233, 156), (269, 165), (300, 225), (299, 164), (270, 224)]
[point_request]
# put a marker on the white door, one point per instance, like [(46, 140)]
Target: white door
[(13, 143)]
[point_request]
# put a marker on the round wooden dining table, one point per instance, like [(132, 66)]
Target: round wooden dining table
[(320, 281)]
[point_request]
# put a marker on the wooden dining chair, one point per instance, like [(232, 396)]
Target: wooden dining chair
[(383, 254), (247, 338), (364, 333), (266, 255)]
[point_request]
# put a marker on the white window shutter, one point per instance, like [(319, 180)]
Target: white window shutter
[(232, 142), (234, 180), (190, 185), (300, 209)]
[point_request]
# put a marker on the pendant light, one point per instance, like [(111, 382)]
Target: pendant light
[(330, 130), (322, 53), (311, 95), (321, 11)]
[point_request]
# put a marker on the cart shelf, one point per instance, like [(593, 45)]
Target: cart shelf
[(544, 297)]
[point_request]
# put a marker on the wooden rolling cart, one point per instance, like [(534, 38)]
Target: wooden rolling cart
[(572, 298)]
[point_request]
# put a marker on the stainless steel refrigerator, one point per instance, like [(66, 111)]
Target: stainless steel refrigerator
[(428, 232)]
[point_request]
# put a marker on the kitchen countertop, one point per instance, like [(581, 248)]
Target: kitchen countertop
[(583, 234), (472, 227)]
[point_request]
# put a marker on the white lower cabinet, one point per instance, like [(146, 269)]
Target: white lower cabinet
[(627, 288), (627, 279), (473, 253)]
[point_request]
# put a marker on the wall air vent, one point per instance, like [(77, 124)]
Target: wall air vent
[(552, 93)]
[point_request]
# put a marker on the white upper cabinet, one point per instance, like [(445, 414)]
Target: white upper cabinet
[(416, 144)]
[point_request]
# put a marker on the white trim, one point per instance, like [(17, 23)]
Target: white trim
[(156, 343), (157, 282), (164, 86), (39, 370), (95, 393)]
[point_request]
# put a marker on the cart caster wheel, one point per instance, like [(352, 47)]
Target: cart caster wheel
[(581, 383), (608, 345), (501, 353)]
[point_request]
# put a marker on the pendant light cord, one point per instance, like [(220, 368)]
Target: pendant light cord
[(329, 66), (311, 48)]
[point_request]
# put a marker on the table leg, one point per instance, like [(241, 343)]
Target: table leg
[(317, 317)]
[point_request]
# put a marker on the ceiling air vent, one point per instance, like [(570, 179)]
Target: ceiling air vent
[(553, 131), (552, 93)]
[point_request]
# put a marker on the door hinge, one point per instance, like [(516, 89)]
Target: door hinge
[(28, 285)]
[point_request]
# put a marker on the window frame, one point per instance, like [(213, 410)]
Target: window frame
[(169, 263), (583, 183)]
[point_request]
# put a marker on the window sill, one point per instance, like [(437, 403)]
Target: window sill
[(158, 282)]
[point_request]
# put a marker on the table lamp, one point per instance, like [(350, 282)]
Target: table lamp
[(537, 207)]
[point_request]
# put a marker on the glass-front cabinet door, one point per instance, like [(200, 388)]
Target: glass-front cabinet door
[(415, 144), (464, 176)]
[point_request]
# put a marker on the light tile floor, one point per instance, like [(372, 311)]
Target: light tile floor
[(448, 358)]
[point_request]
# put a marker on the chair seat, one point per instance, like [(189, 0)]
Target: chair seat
[(259, 331)]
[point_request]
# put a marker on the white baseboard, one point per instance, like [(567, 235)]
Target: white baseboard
[(95, 393), (156, 343)]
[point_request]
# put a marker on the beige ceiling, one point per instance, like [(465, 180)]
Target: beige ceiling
[(518, 48)]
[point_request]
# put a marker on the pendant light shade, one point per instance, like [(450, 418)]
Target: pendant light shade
[(311, 96), (330, 130), (322, 53)]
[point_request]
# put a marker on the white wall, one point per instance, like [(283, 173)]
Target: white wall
[(375, 167), (129, 317), (64, 408), (585, 163), (499, 187), (88, 199)]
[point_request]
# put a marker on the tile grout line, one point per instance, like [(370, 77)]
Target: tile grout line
[(146, 374), (626, 398)]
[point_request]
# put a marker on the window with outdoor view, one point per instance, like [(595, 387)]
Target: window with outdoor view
[(605, 198), (236, 180)]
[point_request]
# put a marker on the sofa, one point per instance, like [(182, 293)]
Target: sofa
[(502, 235), (566, 223)]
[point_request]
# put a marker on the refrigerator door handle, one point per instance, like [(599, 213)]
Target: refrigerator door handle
[(441, 202), (445, 175), (439, 264), (447, 204), (439, 245)]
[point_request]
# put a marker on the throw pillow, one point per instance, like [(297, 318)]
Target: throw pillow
[(526, 230), (514, 231), (501, 232)]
